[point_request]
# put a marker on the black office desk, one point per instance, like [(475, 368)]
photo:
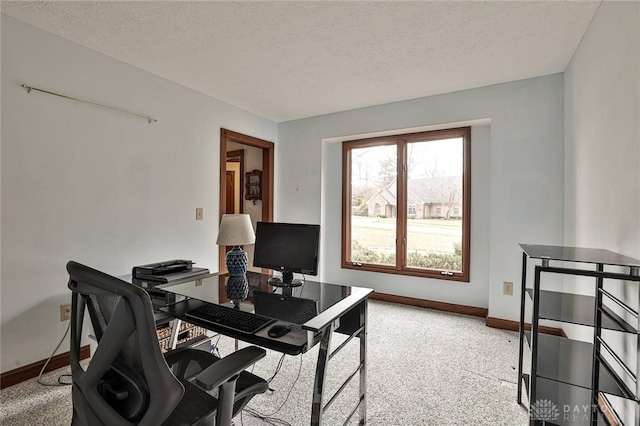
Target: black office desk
[(341, 308)]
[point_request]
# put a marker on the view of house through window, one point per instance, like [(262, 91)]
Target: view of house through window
[(408, 204)]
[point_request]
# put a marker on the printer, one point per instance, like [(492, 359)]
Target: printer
[(165, 272), (153, 274)]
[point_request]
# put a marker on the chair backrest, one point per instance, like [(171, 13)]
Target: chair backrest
[(127, 380)]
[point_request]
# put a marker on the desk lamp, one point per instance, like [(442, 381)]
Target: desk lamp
[(236, 230)]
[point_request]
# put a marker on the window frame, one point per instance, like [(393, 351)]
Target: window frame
[(401, 141)]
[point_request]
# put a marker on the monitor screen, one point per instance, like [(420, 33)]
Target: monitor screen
[(287, 247)]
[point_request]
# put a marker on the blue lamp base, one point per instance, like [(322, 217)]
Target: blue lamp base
[(237, 289), (237, 286), (237, 261)]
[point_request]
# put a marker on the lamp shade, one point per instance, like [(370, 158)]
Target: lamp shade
[(235, 230)]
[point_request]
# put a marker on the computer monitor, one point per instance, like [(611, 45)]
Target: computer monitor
[(288, 248)]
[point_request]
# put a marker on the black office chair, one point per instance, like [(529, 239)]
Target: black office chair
[(129, 381)]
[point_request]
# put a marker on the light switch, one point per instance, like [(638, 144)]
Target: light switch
[(199, 213)]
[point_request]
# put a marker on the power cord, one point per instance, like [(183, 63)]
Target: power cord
[(269, 420), (268, 417), (278, 367), (60, 383), (216, 348)]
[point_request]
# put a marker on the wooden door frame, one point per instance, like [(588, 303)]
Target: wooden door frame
[(267, 175), (231, 157), (231, 173)]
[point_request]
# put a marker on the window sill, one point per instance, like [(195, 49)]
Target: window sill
[(413, 272)]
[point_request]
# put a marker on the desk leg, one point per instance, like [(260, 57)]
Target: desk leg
[(363, 363), (321, 371), (175, 331)]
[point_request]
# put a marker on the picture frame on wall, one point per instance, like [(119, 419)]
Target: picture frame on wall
[(253, 185)]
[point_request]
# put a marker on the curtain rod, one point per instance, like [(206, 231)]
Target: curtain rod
[(30, 88)]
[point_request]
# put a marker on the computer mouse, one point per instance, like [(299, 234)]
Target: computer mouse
[(278, 330)]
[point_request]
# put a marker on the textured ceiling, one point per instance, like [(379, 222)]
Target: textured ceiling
[(288, 60)]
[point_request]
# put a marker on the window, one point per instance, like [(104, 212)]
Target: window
[(412, 204)]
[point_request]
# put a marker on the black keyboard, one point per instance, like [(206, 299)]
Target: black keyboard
[(234, 319)]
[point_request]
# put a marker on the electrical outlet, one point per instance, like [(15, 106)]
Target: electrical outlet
[(65, 312), (507, 288), (199, 213)]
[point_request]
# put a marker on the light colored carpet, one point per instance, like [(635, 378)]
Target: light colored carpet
[(425, 367)]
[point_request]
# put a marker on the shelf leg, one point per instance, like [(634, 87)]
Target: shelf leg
[(534, 340), (523, 291), (595, 366), (363, 363), (635, 271)]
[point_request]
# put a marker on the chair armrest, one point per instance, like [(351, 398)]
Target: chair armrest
[(221, 371)]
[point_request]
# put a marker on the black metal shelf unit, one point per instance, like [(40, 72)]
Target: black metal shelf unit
[(571, 382)]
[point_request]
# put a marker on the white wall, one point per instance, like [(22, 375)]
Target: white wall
[(602, 92), (517, 183), (96, 186)]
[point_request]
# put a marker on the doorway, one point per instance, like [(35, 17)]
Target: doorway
[(237, 153)]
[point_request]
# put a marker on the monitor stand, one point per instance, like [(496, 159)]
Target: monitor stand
[(287, 283)]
